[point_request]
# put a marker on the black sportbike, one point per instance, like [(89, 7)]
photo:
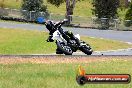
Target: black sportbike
[(66, 41)]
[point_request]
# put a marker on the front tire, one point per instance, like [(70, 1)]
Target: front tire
[(58, 51), (86, 48), (64, 48)]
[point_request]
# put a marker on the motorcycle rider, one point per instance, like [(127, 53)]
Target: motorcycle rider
[(66, 42), (51, 26), (51, 29)]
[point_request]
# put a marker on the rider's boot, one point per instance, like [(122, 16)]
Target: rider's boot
[(58, 51)]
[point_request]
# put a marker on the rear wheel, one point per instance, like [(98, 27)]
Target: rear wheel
[(64, 48)]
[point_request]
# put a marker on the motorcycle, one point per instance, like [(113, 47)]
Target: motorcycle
[(66, 41)]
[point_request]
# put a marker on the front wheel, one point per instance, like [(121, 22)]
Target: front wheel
[(64, 48), (86, 48)]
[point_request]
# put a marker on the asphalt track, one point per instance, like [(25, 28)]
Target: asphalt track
[(124, 36)]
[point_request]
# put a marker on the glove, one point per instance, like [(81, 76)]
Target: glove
[(50, 40)]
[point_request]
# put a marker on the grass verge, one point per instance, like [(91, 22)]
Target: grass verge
[(18, 41), (83, 8), (99, 44), (61, 75)]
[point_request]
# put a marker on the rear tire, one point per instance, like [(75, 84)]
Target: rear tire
[(64, 48)]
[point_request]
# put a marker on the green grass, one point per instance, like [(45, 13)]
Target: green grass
[(105, 44), (122, 13), (11, 3), (24, 42), (83, 8), (60, 75), (19, 41)]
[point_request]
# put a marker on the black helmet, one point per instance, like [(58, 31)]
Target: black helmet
[(49, 25)]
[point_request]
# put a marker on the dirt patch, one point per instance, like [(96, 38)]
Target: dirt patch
[(59, 59)]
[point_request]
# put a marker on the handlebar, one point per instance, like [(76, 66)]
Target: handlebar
[(61, 23), (57, 23), (52, 26)]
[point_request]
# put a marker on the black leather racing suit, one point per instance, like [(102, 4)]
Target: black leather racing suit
[(52, 28)]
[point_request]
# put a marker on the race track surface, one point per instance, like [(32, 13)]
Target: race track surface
[(125, 36)]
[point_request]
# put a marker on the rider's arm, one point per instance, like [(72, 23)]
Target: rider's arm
[(59, 24), (49, 26)]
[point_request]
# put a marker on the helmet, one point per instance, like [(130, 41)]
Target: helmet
[(49, 25)]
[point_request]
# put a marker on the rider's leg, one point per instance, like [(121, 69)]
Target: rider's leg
[(72, 37)]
